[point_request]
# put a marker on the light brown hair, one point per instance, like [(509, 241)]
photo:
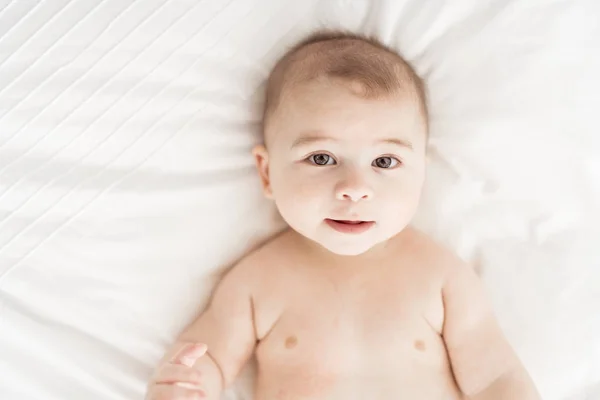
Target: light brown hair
[(350, 57)]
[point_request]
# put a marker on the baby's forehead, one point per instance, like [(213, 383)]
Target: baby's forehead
[(317, 108)]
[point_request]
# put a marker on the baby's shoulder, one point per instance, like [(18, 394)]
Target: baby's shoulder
[(429, 254), (261, 264)]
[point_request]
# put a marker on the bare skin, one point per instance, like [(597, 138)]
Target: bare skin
[(350, 302), (350, 332), (341, 329)]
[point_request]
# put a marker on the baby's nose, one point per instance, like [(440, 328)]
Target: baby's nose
[(354, 191), (355, 196)]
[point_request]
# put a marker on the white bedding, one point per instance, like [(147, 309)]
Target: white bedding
[(126, 182)]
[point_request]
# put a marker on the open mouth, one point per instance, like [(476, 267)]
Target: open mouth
[(346, 226)]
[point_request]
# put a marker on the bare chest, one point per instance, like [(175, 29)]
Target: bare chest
[(356, 324)]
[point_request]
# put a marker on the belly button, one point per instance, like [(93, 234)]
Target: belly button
[(420, 345), (291, 342)]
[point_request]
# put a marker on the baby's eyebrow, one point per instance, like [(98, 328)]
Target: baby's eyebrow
[(310, 139), (397, 142)]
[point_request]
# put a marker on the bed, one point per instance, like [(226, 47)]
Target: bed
[(127, 186)]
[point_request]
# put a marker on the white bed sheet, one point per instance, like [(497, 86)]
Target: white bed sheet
[(126, 183)]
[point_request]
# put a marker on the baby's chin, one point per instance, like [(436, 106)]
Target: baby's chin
[(357, 245), (348, 249)]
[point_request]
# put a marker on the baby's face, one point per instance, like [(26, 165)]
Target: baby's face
[(344, 171)]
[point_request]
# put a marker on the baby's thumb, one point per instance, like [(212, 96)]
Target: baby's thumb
[(189, 353)]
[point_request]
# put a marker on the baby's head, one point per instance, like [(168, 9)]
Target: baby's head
[(345, 132)]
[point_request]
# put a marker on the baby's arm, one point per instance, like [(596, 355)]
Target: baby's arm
[(226, 327), (484, 364)]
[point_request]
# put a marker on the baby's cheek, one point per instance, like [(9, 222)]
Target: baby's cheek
[(300, 191), (290, 188), (310, 190), (398, 202), (302, 200), (407, 189)]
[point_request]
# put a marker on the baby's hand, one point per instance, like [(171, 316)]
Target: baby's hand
[(177, 379)]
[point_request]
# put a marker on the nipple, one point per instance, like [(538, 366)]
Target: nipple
[(420, 345), (291, 342)]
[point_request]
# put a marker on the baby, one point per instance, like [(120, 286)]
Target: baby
[(350, 302)]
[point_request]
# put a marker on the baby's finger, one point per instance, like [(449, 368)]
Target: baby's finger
[(189, 354), (176, 373), (174, 392)]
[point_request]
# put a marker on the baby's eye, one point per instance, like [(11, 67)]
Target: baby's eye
[(322, 159), (385, 162)]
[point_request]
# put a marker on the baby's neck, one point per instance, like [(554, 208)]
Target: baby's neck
[(381, 251)]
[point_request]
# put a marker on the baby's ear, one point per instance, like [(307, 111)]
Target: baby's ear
[(261, 157)]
